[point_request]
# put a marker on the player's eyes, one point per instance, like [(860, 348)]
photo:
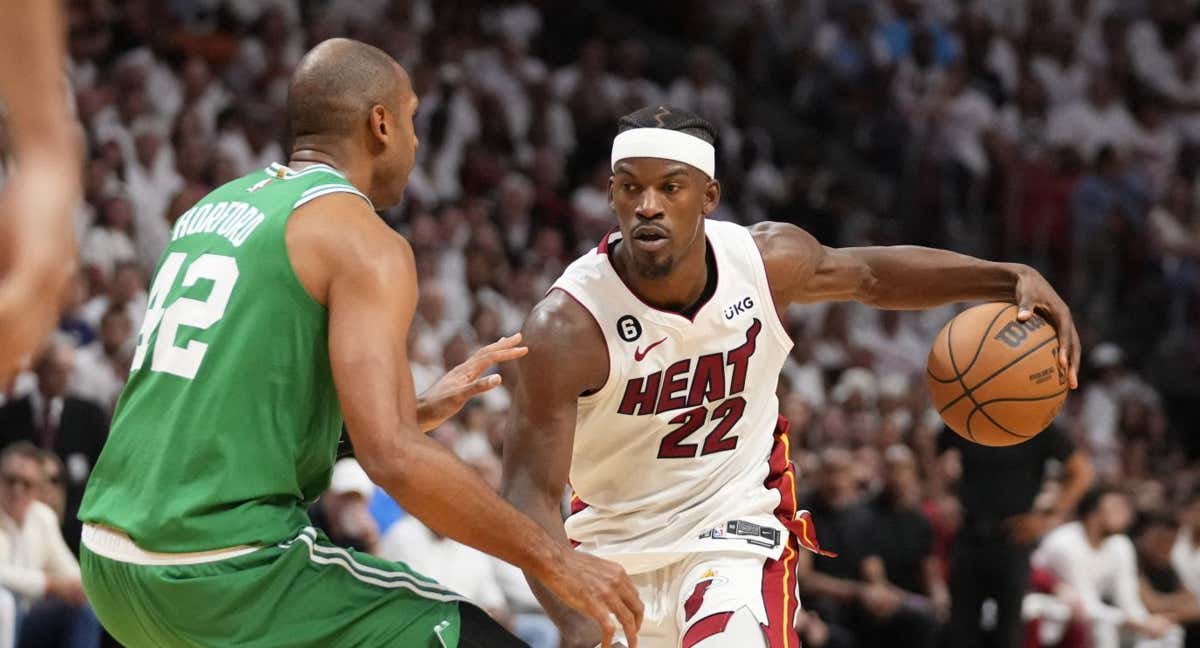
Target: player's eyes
[(629, 186), (671, 188)]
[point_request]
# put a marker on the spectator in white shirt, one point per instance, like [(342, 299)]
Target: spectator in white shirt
[(486, 581), (1097, 560), (36, 567), (127, 290), (102, 366), (1155, 146), (701, 91), (110, 241), (1060, 71), (151, 180), (1089, 124), (1185, 555), (590, 70)]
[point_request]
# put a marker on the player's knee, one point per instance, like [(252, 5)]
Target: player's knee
[(742, 629)]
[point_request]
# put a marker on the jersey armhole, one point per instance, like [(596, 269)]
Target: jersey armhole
[(764, 289), (596, 395)]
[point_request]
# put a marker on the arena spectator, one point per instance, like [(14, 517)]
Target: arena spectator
[(1095, 557), (1154, 535), (1185, 555), (102, 367), (990, 562), (39, 577), (52, 419), (1061, 134), (342, 512)]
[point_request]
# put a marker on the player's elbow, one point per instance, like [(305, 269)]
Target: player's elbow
[(385, 462)]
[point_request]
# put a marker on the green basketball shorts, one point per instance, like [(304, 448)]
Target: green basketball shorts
[(303, 592)]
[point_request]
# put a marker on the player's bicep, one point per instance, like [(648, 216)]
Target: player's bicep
[(801, 270)]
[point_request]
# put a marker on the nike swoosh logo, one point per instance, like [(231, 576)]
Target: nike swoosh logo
[(638, 354)]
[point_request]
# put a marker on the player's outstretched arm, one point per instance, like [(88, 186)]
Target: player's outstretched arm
[(801, 270), (365, 275), (37, 247), (566, 357)]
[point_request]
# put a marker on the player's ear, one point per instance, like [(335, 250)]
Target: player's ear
[(379, 123), (610, 194), (712, 197)]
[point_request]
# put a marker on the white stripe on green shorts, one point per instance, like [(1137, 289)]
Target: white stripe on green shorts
[(323, 555)]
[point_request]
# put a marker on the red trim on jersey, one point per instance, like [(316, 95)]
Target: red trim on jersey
[(782, 478), (705, 628), (576, 506), (607, 360), (779, 576), (603, 246)]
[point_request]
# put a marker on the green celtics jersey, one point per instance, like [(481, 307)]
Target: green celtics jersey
[(228, 426)]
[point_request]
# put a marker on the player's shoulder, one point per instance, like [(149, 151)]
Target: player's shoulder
[(789, 253), (781, 239), (560, 320), (339, 234), (567, 350), (343, 223)]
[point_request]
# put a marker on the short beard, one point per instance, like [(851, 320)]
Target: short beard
[(649, 268)]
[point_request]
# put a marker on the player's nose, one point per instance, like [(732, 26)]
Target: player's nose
[(650, 205)]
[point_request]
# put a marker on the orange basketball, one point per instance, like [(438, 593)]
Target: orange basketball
[(994, 380)]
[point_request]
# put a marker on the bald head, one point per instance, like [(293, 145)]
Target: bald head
[(336, 84)]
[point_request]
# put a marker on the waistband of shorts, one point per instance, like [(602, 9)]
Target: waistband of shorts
[(116, 545)]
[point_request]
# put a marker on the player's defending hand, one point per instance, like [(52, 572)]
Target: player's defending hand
[(462, 383), (599, 589), (37, 252), (1035, 293)]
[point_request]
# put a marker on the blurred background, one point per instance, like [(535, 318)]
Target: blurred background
[(1060, 133)]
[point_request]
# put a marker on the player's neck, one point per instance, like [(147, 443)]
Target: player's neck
[(306, 154), (676, 292)]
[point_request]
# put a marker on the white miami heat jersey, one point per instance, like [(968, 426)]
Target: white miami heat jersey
[(678, 452)]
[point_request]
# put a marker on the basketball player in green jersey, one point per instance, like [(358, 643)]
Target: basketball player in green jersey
[(281, 304), (38, 201)]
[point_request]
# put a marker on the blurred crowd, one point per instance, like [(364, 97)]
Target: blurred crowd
[(1060, 133)]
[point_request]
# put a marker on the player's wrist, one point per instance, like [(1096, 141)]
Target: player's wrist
[(544, 557)]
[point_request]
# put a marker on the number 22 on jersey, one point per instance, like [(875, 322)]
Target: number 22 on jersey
[(167, 356)]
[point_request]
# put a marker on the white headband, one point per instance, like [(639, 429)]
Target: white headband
[(665, 144)]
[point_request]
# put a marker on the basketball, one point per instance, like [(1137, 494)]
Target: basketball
[(995, 380)]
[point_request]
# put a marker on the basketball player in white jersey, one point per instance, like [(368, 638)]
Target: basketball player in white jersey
[(650, 387), (37, 203)]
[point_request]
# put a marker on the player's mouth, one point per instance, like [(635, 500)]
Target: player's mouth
[(650, 238)]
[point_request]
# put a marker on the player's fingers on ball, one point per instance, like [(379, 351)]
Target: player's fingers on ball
[(602, 618), (629, 624), (630, 596)]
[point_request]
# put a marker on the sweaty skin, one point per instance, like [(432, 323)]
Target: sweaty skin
[(37, 205), (660, 207), (365, 275)]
